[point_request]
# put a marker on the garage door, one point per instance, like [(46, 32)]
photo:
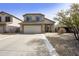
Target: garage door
[(1, 29), (32, 29)]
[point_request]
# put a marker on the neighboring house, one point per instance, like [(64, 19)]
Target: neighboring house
[(8, 22), (36, 23)]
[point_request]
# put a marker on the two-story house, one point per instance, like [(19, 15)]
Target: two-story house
[(8, 22), (36, 23)]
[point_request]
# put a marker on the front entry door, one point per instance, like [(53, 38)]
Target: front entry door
[(48, 28)]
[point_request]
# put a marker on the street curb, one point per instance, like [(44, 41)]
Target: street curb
[(51, 49)]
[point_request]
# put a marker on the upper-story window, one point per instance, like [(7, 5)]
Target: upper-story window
[(37, 18), (0, 19), (7, 19), (28, 19)]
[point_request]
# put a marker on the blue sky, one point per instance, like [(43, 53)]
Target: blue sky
[(18, 9)]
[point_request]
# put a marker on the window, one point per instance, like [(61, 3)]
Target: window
[(37, 18), (7, 19), (28, 18), (0, 19)]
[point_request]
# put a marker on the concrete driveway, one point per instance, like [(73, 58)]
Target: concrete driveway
[(25, 45)]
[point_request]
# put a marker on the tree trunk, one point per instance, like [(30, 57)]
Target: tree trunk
[(76, 33)]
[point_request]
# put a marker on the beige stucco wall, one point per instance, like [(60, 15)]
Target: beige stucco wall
[(48, 21), (21, 29), (1, 29), (15, 22), (43, 28), (53, 28), (13, 25)]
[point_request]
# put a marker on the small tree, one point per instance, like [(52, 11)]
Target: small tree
[(70, 18)]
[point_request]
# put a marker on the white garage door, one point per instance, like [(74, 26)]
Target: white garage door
[(1, 29), (32, 29)]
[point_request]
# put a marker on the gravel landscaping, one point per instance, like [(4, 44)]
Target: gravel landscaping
[(65, 44)]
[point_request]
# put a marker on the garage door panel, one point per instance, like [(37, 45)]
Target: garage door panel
[(32, 29)]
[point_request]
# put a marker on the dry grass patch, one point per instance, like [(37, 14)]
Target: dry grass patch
[(65, 45)]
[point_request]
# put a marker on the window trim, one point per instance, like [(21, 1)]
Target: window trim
[(29, 18), (37, 18), (7, 19)]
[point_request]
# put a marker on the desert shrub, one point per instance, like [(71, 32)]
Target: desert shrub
[(61, 31)]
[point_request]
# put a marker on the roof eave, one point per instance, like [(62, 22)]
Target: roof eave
[(33, 14), (10, 15)]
